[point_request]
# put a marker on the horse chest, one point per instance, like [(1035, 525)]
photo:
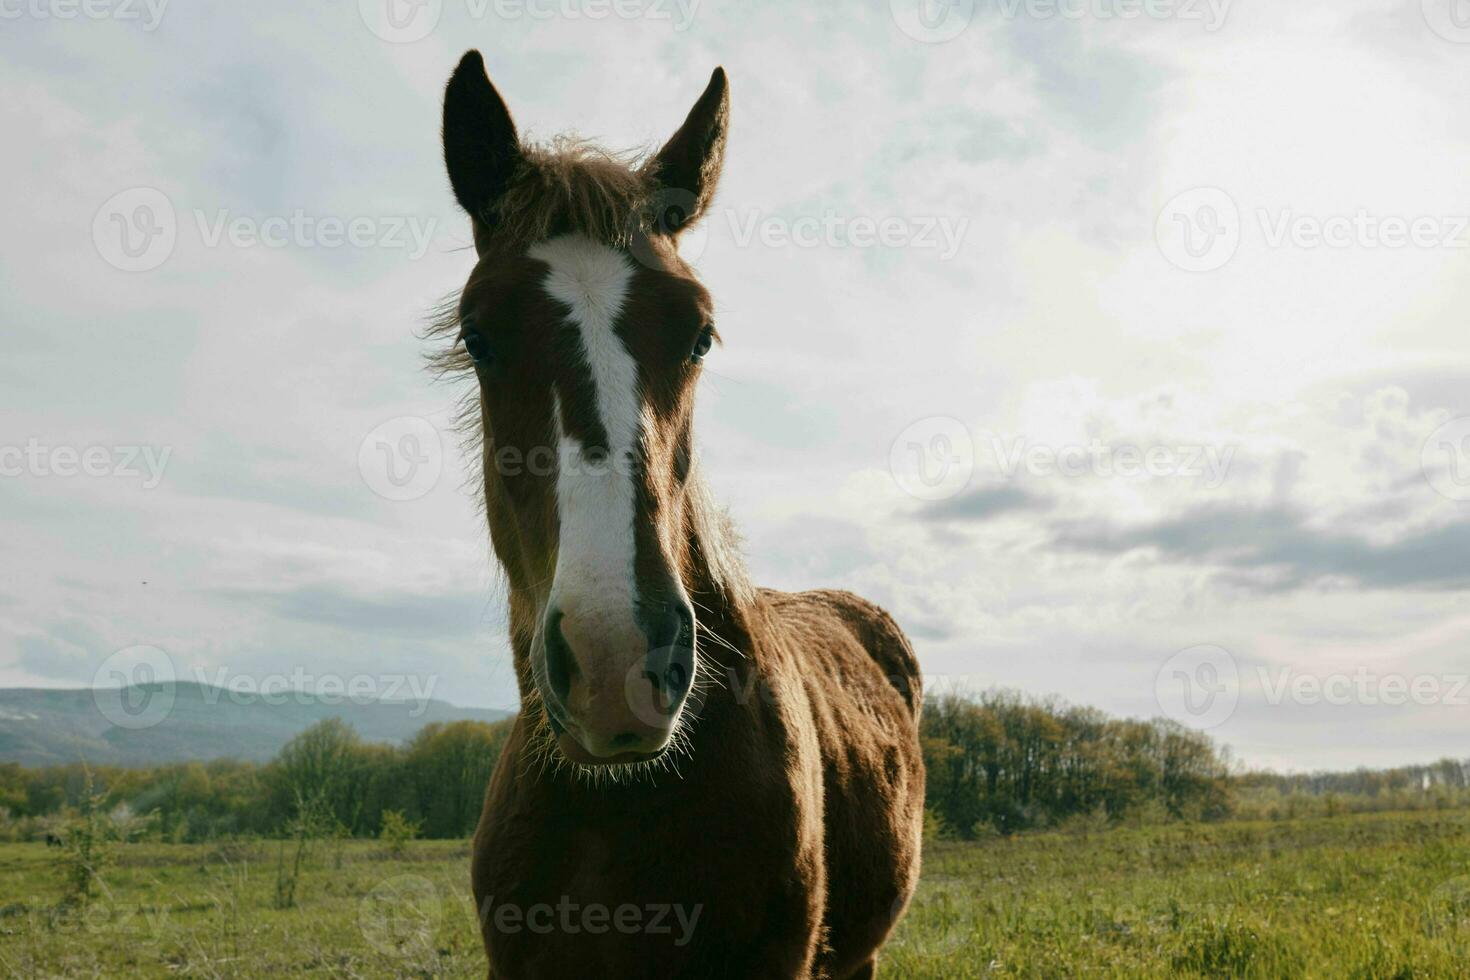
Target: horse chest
[(653, 893)]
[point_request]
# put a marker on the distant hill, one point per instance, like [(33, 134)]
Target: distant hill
[(41, 727)]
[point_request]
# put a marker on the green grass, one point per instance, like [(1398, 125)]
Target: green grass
[(1356, 896), (1384, 895)]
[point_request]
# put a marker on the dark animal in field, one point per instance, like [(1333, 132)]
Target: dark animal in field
[(706, 779)]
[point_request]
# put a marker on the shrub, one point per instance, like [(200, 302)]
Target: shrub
[(397, 831), (87, 847)]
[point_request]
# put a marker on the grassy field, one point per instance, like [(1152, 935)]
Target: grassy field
[(1353, 896)]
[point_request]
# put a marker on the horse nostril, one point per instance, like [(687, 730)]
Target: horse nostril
[(669, 666), (559, 662)]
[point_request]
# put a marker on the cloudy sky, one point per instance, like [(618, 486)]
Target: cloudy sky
[(1117, 347)]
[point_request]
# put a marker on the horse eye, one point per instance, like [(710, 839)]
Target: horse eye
[(703, 344), (475, 346)]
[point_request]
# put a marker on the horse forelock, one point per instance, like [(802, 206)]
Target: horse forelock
[(571, 186)]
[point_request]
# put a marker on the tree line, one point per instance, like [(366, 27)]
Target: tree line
[(436, 782), (998, 762), (1003, 762), (1440, 785)]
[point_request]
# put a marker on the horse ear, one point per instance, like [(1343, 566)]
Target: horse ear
[(688, 166), (481, 150)]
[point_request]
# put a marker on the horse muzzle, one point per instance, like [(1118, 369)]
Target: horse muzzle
[(614, 687)]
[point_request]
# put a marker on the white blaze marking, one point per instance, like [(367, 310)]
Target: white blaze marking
[(596, 501)]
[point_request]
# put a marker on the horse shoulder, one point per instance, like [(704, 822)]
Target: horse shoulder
[(867, 623)]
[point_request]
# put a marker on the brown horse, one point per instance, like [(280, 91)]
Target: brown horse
[(705, 779)]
